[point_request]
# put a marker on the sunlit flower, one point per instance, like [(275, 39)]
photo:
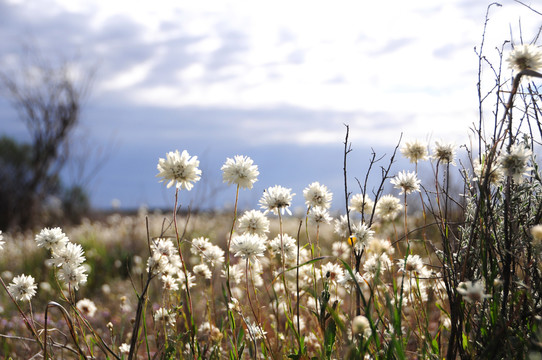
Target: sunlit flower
[(182, 279), (472, 291), (407, 182), (163, 247), (388, 206), (124, 349), (361, 326), (346, 280), (319, 216), (414, 265), (73, 275), (414, 151), (51, 238), (164, 316), (330, 272), (362, 234), (180, 169), (379, 247), (275, 199), (213, 255), (317, 195), (289, 246), (376, 264), (22, 287), (69, 254), (341, 250), (361, 204), (444, 153), (203, 271), (240, 171), (169, 283), (86, 307), (248, 246), (2, 242), (515, 163), (255, 330), (254, 222), (525, 56), (496, 173), (341, 226)]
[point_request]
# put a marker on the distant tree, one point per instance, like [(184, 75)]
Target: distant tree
[(48, 99)]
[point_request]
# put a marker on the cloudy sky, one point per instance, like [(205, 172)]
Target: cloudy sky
[(274, 80)]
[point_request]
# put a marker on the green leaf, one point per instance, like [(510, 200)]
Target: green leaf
[(329, 338)]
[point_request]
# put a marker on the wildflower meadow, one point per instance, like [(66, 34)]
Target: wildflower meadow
[(411, 268)]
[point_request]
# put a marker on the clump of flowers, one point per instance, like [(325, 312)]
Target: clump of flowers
[(240, 171), (179, 169)]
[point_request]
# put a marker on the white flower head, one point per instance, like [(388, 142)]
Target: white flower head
[(317, 195), (164, 316), (288, 245), (69, 254), (341, 226), (472, 291), (2, 242), (124, 349), (388, 206), (254, 222), (248, 246), (319, 215), (86, 307), (414, 151), (361, 235), (203, 271), (525, 56), (180, 169), (407, 182), (22, 287), (51, 239), (275, 199), (515, 163), (362, 204), (496, 172), (73, 275), (361, 326), (444, 152), (240, 171)]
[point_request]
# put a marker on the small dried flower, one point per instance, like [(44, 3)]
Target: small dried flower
[(414, 151), (22, 287), (361, 204), (86, 307), (51, 239), (525, 56), (317, 195), (407, 182), (472, 291), (240, 171), (180, 169), (254, 222), (361, 326), (388, 207), (275, 199), (515, 163), (248, 247), (444, 153)]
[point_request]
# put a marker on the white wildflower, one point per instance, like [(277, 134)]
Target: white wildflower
[(51, 239), (407, 182), (444, 152), (361, 204), (22, 287), (248, 246), (275, 199), (86, 307), (289, 246), (414, 151), (525, 56), (388, 207), (515, 163), (180, 169), (317, 195), (319, 215), (472, 291), (254, 222), (240, 171)]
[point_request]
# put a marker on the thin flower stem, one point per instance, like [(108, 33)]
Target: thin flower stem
[(229, 243)]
